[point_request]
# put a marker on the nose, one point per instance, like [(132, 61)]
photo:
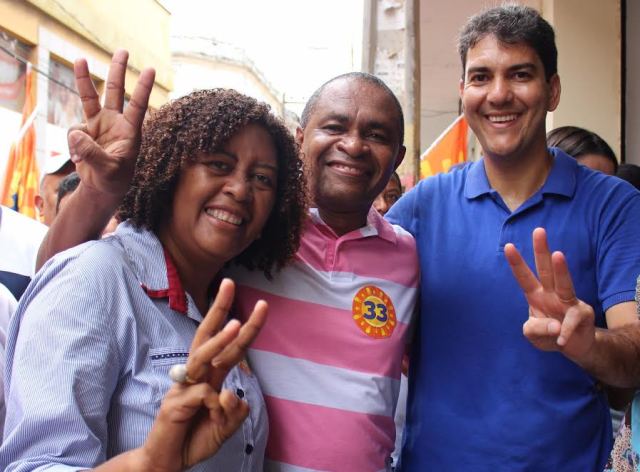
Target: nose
[(381, 205), (500, 91), (238, 187), (353, 145)]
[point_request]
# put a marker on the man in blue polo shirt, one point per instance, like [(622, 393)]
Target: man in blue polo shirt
[(482, 396)]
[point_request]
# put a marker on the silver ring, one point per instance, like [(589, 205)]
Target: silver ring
[(178, 373)]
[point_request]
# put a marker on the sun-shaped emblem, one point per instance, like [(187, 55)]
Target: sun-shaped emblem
[(373, 312)]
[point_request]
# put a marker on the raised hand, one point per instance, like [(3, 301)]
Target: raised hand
[(105, 147), (558, 320), (195, 417)]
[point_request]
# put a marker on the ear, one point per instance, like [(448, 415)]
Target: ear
[(554, 92), (461, 88), (299, 136), (400, 156), (39, 202)]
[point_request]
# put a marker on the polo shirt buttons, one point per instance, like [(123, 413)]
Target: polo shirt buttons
[(240, 393), (248, 449)]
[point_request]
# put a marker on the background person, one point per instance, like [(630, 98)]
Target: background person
[(56, 168), (391, 193), (587, 147)]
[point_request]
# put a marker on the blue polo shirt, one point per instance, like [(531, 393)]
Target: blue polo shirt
[(481, 397)]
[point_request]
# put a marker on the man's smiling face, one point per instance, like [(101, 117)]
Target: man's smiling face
[(506, 97), (351, 145)]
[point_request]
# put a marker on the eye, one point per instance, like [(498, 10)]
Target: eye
[(378, 136), (521, 75), (478, 78), (218, 165), (391, 197), (263, 181), (333, 127)]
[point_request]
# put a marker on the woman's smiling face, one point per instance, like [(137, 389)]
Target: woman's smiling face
[(223, 200)]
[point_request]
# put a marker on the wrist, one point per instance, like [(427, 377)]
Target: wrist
[(587, 358), (103, 202)]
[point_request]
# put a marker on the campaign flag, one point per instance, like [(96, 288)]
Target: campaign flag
[(448, 149), (21, 176)]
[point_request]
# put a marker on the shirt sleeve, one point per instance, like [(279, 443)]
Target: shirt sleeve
[(403, 211), (62, 369), (618, 252)]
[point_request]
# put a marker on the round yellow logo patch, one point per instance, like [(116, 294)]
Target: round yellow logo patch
[(373, 312)]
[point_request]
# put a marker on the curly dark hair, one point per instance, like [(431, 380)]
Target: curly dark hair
[(202, 122)]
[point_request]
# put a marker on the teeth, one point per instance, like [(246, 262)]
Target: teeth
[(224, 216), (502, 119), (348, 169)]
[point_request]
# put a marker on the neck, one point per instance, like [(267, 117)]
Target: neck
[(516, 180), (196, 274), (343, 223)]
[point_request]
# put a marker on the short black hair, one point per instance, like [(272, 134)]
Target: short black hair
[(579, 142), (67, 186), (630, 173), (512, 24), (309, 108)]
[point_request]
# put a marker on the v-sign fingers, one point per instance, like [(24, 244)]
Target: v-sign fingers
[(86, 89), (563, 283), (216, 315), (521, 271), (114, 95), (137, 107), (543, 259)]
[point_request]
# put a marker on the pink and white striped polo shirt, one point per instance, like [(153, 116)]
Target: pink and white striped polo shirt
[(328, 358)]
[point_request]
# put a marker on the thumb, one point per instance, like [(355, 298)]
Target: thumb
[(83, 148)]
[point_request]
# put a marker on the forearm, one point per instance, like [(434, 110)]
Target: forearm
[(615, 356), (130, 461), (82, 219)]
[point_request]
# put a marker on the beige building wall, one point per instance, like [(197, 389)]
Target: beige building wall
[(632, 112), (588, 37), (588, 40), (94, 30), (65, 30)]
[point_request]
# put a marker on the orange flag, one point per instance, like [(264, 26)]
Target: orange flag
[(448, 149), (21, 178)]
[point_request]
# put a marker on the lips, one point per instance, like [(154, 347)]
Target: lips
[(348, 169), (224, 215), (502, 118)]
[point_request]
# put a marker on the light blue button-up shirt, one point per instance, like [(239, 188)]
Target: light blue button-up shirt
[(88, 353)]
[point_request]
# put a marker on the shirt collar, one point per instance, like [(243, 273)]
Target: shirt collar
[(560, 181), (154, 266), (376, 226)]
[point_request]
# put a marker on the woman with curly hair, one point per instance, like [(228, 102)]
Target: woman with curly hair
[(108, 325)]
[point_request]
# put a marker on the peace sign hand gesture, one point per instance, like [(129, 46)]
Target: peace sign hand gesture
[(558, 321), (105, 147), (196, 417)]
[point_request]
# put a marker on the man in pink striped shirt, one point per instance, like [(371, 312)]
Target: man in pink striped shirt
[(329, 357)]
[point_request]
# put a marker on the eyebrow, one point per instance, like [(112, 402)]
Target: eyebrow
[(372, 124), (259, 164), (524, 65)]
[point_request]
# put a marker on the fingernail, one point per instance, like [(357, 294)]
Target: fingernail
[(230, 324), (75, 158)]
